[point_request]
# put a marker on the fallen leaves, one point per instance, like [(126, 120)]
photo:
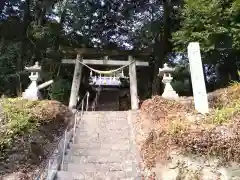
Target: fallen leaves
[(173, 125)]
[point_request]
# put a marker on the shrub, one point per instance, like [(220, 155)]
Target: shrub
[(17, 120), (21, 117), (60, 90)]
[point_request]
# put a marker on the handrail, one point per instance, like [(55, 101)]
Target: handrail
[(93, 106), (95, 101), (75, 124), (66, 140)]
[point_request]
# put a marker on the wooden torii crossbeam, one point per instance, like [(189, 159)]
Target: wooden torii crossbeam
[(78, 73), (104, 62)]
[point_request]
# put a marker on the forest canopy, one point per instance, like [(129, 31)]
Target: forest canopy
[(34, 30)]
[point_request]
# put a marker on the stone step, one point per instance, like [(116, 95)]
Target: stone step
[(104, 123), (117, 134), (114, 158), (96, 123), (119, 175), (109, 113), (98, 152), (98, 167), (104, 113), (123, 146), (105, 117), (98, 136), (106, 129), (103, 140), (102, 149), (83, 131)]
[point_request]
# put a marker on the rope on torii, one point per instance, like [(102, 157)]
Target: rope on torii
[(106, 72)]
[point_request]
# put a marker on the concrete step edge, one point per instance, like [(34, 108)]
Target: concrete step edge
[(66, 175)]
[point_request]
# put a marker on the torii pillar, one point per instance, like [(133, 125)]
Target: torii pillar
[(78, 73), (133, 83), (76, 82)]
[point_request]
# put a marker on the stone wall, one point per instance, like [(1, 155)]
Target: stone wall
[(195, 167), (190, 100)]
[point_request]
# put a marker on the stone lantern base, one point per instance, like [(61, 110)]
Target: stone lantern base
[(32, 94), (169, 93)]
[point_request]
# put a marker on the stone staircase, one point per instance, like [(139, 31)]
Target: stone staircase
[(104, 149)]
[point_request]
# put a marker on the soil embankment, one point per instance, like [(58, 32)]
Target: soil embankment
[(29, 133), (172, 133)]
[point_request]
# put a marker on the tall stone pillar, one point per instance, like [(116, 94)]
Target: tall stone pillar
[(197, 77), (76, 82), (133, 84)]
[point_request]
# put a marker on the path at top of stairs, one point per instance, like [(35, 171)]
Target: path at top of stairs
[(108, 101), (103, 149)]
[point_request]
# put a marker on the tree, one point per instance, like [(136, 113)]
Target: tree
[(160, 21), (48, 24), (216, 26)]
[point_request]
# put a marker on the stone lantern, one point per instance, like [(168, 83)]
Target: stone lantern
[(32, 92), (168, 93)]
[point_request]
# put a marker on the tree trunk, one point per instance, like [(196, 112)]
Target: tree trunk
[(205, 76), (157, 64), (58, 37), (62, 19), (2, 43), (163, 48), (20, 62), (2, 4), (232, 67)]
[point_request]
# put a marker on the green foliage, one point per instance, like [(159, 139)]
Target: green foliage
[(17, 120), (181, 82), (60, 90), (7, 58), (182, 87), (226, 113), (206, 21), (227, 105)]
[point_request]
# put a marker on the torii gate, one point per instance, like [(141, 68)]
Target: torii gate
[(78, 74)]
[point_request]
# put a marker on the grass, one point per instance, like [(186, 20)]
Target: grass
[(227, 105), (177, 126), (225, 114)]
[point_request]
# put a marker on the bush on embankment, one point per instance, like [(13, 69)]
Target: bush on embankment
[(28, 130), (177, 126)]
